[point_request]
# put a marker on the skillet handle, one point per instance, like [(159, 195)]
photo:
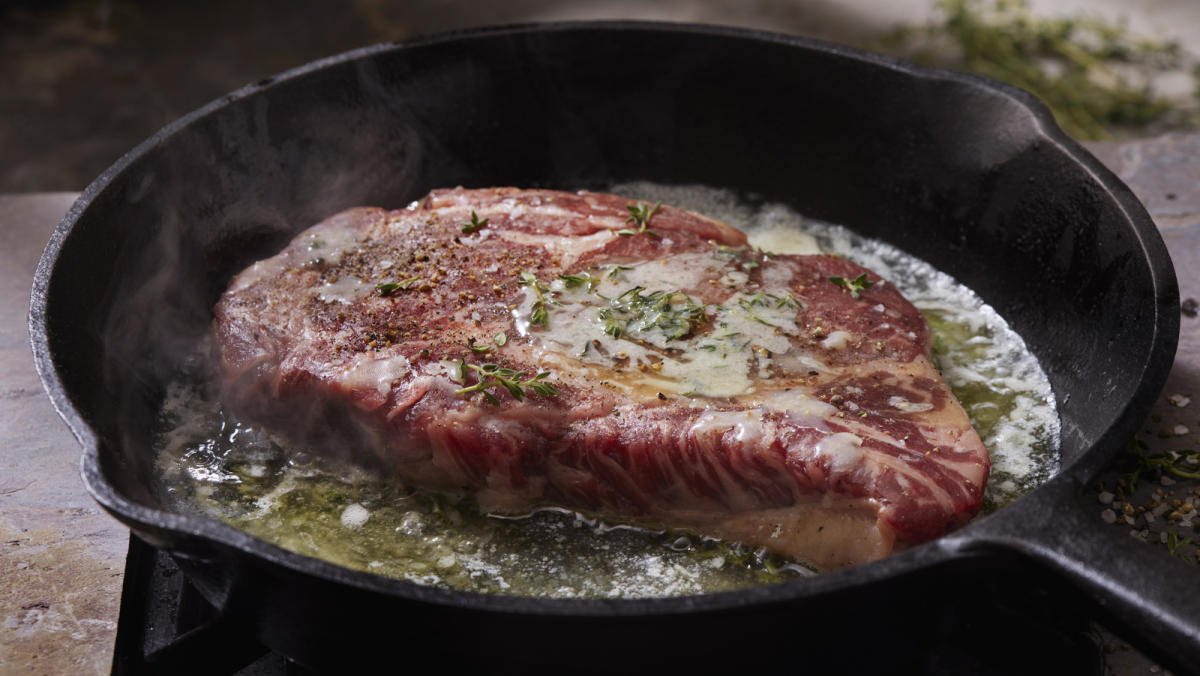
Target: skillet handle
[(1142, 593)]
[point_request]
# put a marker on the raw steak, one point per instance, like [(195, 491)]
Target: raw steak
[(538, 348)]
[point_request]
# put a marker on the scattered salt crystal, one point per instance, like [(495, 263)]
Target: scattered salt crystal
[(716, 562), (1180, 430), (1106, 498), (1129, 520), (1179, 400), (1108, 516), (446, 561), (1162, 537), (1149, 517), (355, 515)]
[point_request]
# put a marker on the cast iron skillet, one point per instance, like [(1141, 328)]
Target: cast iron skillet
[(970, 175)]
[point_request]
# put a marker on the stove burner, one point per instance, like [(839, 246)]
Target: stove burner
[(167, 627)]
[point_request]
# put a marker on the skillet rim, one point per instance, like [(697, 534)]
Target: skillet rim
[(180, 527)]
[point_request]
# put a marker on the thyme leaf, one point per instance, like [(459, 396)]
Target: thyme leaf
[(615, 270), (474, 225), (640, 215), (538, 315), (1174, 542), (784, 301), (854, 286), (537, 311), (389, 288), (575, 281)]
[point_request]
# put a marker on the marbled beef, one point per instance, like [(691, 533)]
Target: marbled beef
[(582, 350)]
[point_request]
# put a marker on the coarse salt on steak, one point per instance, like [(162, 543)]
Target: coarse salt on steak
[(693, 382)]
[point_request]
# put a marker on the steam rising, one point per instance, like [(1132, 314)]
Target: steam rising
[(232, 184)]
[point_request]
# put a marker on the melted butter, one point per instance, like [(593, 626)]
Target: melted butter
[(746, 425), (370, 372), (784, 238), (320, 243), (345, 290), (215, 465), (800, 407), (745, 329)]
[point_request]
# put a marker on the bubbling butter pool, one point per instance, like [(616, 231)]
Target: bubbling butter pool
[(215, 465)]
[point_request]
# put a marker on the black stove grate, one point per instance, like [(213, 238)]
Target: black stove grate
[(167, 627)]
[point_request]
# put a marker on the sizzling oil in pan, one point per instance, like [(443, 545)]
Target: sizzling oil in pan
[(214, 464)]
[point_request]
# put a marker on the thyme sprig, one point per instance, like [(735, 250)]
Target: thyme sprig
[(1171, 462), (493, 375), (474, 225), (672, 312), (1096, 76), (854, 286), (640, 215)]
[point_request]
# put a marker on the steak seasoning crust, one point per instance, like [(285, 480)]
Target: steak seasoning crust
[(635, 362)]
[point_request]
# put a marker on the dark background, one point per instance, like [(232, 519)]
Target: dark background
[(83, 81)]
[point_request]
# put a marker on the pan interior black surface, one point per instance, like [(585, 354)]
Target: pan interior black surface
[(966, 174)]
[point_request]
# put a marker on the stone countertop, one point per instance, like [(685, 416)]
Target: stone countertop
[(62, 557)]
